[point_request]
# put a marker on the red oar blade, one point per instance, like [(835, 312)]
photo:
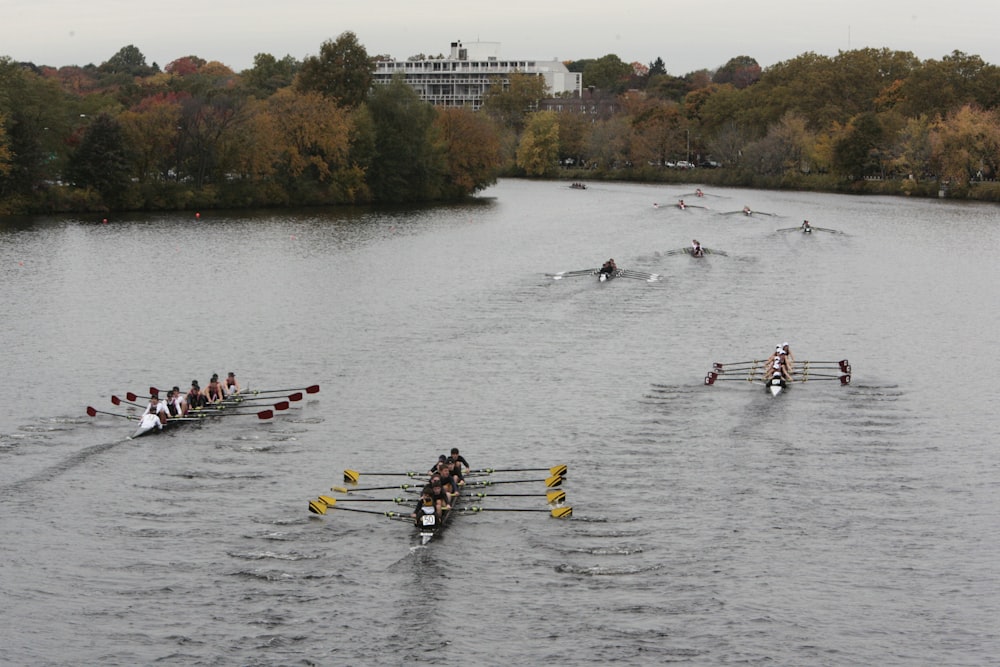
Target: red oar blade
[(91, 411), (130, 396), (117, 401), (845, 379), (710, 378), (313, 389), (297, 396), (265, 414), (283, 405)]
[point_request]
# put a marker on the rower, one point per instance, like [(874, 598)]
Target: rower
[(448, 481), (609, 267), (175, 405), (789, 359), (213, 391), (681, 205), (778, 364), (437, 492), (806, 227), (696, 249), (699, 193), (195, 398), (232, 385), (157, 408), (455, 456), (746, 210)]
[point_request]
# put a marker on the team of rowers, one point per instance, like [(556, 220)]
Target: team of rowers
[(177, 404), (781, 361), (447, 476)]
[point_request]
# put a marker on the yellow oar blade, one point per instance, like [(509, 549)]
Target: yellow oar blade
[(317, 507), (328, 500), (555, 497), (554, 481), (340, 489), (559, 471), (351, 476), (562, 512)]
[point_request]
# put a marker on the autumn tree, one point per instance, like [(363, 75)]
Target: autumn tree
[(658, 131), (151, 129), (538, 150), (740, 71), (472, 150), (510, 99), (966, 143), (342, 71)]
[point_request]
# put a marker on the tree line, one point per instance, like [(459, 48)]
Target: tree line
[(129, 135)]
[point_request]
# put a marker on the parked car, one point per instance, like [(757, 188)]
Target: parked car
[(684, 164)]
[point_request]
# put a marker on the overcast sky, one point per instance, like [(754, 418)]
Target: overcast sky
[(687, 35)]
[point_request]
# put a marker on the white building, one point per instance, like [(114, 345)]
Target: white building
[(461, 79)]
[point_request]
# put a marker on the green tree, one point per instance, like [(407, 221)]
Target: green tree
[(102, 161), (269, 74), (858, 153), (342, 71), (129, 60), (538, 151), (409, 160), (608, 73)]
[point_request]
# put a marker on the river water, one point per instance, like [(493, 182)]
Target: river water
[(831, 525)]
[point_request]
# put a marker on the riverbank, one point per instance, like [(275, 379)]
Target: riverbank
[(988, 191)]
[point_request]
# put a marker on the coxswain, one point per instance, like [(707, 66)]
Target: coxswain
[(213, 391), (157, 408), (426, 514), (696, 249), (232, 385), (195, 398), (609, 267), (806, 227)]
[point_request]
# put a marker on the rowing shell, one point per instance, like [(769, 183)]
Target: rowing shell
[(603, 277)]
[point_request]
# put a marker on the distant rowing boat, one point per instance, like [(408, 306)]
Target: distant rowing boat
[(755, 372)]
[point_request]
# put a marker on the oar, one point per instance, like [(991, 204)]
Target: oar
[(331, 501), (712, 378), (313, 389), (118, 401), (352, 476), (558, 512), (551, 482), (341, 489), (843, 364), (553, 497), (554, 470), (204, 414), (93, 413), (320, 507), (572, 274), (719, 366)]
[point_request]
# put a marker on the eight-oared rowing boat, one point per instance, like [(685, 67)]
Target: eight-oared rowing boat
[(475, 482), (225, 408), (755, 371)]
